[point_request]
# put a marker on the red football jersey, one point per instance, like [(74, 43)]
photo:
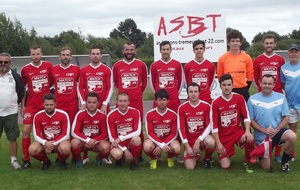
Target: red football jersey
[(87, 126), (193, 121), (123, 125), (96, 79), (130, 77), (54, 127), (203, 74), (38, 81), (167, 75), (65, 83), (264, 64), (227, 114), (161, 128)]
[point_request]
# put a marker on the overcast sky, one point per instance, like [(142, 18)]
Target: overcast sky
[(99, 18)]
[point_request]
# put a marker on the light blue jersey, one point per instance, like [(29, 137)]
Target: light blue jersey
[(267, 110), (290, 76)]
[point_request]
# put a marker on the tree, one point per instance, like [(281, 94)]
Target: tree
[(128, 30), (147, 49), (111, 46), (282, 42), (13, 38), (76, 41), (258, 37), (295, 34)]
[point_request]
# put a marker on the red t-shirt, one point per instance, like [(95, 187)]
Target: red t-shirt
[(96, 79), (123, 125), (193, 121), (65, 83), (203, 74), (54, 127), (38, 81), (264, 64), (87, 126), (168, 76), (130, 77), (226, 115), (161, 128)]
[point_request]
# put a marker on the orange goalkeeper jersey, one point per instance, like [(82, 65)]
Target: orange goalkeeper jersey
[(240, 67)]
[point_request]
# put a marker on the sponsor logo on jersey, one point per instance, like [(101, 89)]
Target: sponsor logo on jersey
[(232, 106), (129, 119), (96, 121), (273, 63), (199, 113), (55, 122), (167, 121)]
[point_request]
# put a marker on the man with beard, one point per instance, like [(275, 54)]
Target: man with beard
[(51, 130), (96, 77), (161, 127), (37, 76), (269, 63), (226, 113), (65, 77), (167, 74), (130, 75), (12, 92)]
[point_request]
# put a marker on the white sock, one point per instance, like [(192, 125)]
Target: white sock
[(13, 158)]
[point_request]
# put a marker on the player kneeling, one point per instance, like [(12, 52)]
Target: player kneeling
[(161, 131), (124, 128), (89, 132), (51, 128), (194, 128)]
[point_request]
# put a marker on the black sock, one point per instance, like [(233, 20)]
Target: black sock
[(285, 158)]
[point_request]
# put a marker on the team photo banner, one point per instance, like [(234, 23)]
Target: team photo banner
[(183, 30)]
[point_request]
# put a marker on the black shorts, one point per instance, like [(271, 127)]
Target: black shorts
[(10, 124), (242, 91), (276, 140)]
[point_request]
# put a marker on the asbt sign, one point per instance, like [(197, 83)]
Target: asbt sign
[(183, 30)]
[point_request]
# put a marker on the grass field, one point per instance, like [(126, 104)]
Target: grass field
[(108, 177)]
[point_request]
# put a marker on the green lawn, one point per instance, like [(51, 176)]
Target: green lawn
[(108, 177), (163, 177)]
